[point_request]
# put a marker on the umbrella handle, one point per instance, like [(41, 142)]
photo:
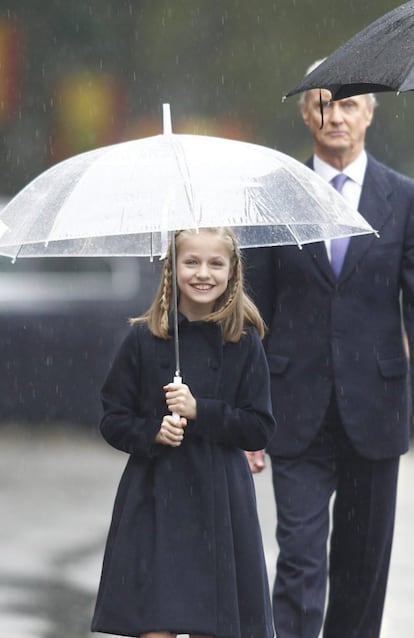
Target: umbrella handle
[(178, 380), (166, 116)]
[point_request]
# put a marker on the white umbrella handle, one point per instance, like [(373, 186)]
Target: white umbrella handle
[(178, 380), (166, 117)]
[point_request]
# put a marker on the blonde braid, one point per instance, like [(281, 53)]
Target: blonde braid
[(165, 300), (232, 294), (235, 282), (157, 316)]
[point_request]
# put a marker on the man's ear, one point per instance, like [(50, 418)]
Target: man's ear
[(304, 113), (370, 116)]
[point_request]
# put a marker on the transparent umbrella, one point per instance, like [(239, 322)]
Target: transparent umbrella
[(126, 199)]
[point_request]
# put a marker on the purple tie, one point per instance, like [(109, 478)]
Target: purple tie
[(338, 246)]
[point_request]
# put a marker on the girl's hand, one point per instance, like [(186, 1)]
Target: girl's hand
[(180, 400), (171, 431)]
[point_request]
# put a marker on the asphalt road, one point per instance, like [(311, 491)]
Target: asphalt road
[(56, 494)]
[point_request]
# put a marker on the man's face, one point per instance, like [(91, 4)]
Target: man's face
[(345, 123)]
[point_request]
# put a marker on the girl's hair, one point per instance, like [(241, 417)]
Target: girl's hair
[(234, 310)]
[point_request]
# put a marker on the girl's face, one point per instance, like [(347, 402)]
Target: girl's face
[(203, 272)]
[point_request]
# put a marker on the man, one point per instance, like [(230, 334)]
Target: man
[(340, 387)]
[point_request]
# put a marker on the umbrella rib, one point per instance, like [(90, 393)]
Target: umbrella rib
[(409, 77), (17, 254), (185, 174), (297, 240)]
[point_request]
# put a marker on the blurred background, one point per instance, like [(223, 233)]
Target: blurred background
[(78, 74)]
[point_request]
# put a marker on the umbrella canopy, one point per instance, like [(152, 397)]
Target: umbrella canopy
[(124, 199), (378, 58)]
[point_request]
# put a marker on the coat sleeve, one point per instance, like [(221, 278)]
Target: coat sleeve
[(121, 425), (249, 424)]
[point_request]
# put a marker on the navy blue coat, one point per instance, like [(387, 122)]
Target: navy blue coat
[(344, 334), (184, 551)]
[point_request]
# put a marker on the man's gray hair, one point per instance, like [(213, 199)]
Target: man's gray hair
[(313, 66)]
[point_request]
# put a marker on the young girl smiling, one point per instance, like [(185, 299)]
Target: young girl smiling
[(184, 553)]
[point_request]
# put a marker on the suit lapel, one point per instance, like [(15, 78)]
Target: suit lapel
[(375, 207), (319, 255)]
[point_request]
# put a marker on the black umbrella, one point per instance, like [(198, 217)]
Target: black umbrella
[(378, 58)]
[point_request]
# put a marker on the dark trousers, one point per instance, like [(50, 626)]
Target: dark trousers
[(360, 543)]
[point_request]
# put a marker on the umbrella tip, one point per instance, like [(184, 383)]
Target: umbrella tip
[(166, 119)]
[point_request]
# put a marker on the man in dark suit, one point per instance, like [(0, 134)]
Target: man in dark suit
[(340, 387)]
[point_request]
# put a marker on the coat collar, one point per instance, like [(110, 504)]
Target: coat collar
[(211, 328), (375, 207)]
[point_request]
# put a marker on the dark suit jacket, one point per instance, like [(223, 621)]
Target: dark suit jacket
[(345, 334)]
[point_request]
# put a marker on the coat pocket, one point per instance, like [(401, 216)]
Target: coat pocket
[(277, 363), (393, 368)]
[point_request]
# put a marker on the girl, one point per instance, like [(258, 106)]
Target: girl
[(184, 552)]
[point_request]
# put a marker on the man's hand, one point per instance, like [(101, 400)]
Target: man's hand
[(256, 461)]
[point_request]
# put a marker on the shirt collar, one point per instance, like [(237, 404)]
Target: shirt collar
[(355, 170)]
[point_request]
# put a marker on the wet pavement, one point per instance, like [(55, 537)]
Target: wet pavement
[(56, 493)]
